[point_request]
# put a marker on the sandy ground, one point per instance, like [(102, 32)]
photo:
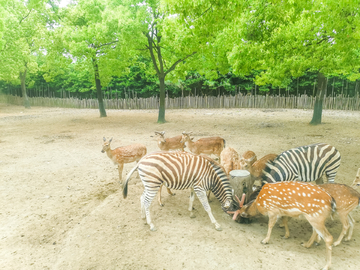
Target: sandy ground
[(62, 206)]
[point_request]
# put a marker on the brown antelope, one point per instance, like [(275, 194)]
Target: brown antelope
[(167, 144), (209, 145), (256, 168), (356, 181), (124, 154), (247, 159), (294, 199), (347, 199), (230, 159)]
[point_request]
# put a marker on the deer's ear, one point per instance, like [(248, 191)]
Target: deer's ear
[(104, 139), (110, 140)]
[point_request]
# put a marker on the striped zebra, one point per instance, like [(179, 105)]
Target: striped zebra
[(182, 170), (305, 163)]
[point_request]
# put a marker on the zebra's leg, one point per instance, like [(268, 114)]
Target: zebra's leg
[(192, 197), (201, 194), (146, 199), (143, 216)]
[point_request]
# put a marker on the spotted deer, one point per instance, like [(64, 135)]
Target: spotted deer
[(166, 144), (294, 199), (230, 159), (347, 199), (124, 154), (247, 159), (356, 181), (256, 168), (209, 145)]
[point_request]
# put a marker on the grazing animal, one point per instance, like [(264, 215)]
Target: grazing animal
[(167, 144), (356, 181), (182, 170), (294, 199), (347, 199), (230, 159), (256, 168), (247, 159), (209, 145), (305, 163), (124, 154)]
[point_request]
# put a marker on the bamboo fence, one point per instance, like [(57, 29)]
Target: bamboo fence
[(339, 102)]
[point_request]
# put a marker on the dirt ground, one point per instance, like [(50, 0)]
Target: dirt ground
[(62, 205)]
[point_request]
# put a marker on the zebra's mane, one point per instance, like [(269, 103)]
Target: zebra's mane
[(216, 166)]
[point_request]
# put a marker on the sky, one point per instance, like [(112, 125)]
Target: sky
[(64, 3)]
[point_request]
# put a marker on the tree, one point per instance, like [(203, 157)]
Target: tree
[(283, 39), (167, 42), (21, 41), (94, 37)]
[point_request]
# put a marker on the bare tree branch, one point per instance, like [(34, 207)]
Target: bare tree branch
[(177, 62), (25, 16)]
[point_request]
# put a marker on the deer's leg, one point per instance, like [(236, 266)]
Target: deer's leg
[(159, 196), (208, 195), (120, 169), (309, 243), (285, 223), (169, 191), (201, 194), (272, 221), (345, 226), (351, 222), (192, 197), (320, 228)]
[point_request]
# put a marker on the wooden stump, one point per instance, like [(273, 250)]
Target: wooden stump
[(241, 182)]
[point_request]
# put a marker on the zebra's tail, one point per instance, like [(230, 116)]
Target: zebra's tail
[(125, 189)]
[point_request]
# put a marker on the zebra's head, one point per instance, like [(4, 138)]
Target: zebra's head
[(229, 205)]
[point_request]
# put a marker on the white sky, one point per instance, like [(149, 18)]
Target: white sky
[(64, 3)]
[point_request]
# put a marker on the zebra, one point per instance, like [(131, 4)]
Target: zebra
[(305, 163), (182, 170)]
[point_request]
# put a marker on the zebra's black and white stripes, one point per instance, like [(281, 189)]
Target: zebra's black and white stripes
[(305, 163), (182, 170)]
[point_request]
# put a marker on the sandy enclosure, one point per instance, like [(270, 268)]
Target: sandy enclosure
[(62, 206)]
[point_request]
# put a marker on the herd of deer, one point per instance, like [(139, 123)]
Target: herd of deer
[(288, 199)]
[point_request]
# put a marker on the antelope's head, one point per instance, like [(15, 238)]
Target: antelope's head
[(247, 159), (185, 137), (160, 136), (106, 145)]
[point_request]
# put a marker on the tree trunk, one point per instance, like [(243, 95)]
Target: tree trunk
[(23, 89), (320, 93), (98, 89), (161, 117)]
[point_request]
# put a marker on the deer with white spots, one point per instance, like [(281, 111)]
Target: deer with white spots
[(294, 199), (208, 145), (247, 159), (167, 144), (124, 154), (347, 199), (256, 168), (230, 159)]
